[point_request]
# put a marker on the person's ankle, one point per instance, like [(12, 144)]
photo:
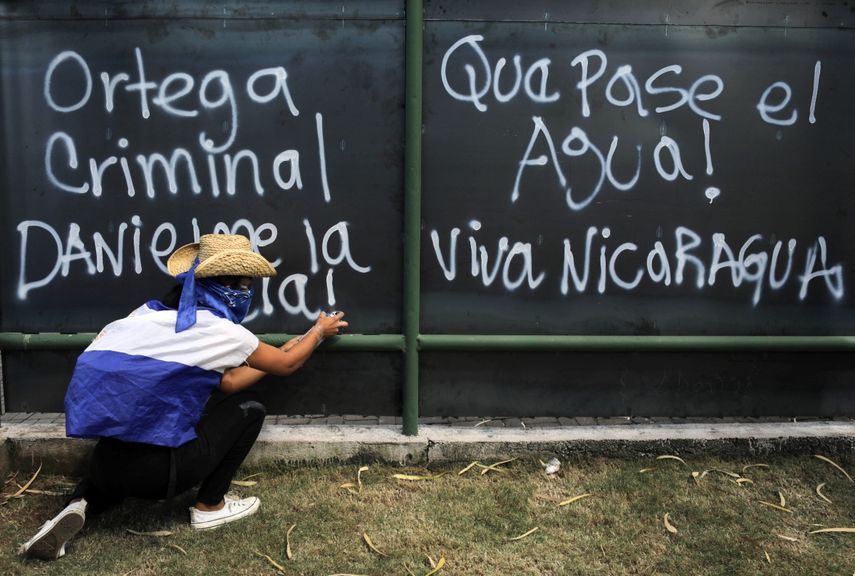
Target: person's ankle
[(209, 508)]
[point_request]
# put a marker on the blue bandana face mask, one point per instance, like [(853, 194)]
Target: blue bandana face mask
[(224, 301), (237, 302)]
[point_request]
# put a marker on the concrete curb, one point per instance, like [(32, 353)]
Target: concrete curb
[(25, 446)]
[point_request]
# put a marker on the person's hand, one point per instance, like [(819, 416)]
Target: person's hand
[(330, 325)]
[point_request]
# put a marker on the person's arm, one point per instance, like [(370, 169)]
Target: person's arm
[(284, 360)]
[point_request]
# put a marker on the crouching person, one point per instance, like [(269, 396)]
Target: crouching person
[(167, 393)]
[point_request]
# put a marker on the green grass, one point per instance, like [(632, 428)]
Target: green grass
[(469, 520)]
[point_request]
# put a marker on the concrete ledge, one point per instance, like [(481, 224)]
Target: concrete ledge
[(26, 445)]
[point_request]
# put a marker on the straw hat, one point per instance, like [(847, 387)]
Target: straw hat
[(220, 255)]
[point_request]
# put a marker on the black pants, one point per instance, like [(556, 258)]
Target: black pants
[(225, 434)]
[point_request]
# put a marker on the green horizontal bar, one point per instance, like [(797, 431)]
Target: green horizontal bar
[(529, 343), (80, 340), (523, 343)]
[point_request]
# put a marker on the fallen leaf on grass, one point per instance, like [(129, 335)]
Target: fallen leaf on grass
[(359, 476), (275, 564), (788, 538), (349, 486), (179, 548), (783, 501), (769, 560), (438, 566), (430, 561), (244, 483), (824, 459), (371, 544), (574, 499), (485, 468), (821, 495), (668, 526), (43, 492), (415, 478), (826, 530), (156, 533), (646, 470), (521, 536), (288, 553), (27, 485), (744, 481), (670, 457), (495, 466), (725, 472), (775, 506), (468, 468), (744, 468)]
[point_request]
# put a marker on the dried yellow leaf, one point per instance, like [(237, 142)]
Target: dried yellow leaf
[(788, 538), (415, 478), (574, 499), (725, 472), (179, 548), (43, 492), (821, 495), (430, 561), (156, 533), (275, 564), (468, 468), (27, 485), (670, 457), (646, 470), (744, 468), (288, 553), (744, 481), (359, 476), (668, 526), (768, 559), (438, 566), (244, 483), (775, 506), (371, 544), (485, 468), (521, 536), (781, 497), (349, 486), (495, 466), (824, 459), (826, 530)]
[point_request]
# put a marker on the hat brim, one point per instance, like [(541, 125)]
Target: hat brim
[(225, 263)]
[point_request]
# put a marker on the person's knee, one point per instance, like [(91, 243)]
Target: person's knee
[(252, 410)]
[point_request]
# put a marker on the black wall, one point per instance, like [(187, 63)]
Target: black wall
[(702, 185)]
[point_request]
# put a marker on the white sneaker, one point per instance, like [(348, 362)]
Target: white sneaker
[(49, 542), (233, 510)]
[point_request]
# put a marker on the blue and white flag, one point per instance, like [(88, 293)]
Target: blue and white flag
[(140, 381)]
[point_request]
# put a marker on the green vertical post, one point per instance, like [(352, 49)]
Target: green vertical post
[(412, 215)]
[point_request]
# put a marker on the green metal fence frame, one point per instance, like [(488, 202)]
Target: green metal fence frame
[(411, 341)]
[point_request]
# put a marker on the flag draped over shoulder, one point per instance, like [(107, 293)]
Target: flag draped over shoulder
[(140, 381)]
